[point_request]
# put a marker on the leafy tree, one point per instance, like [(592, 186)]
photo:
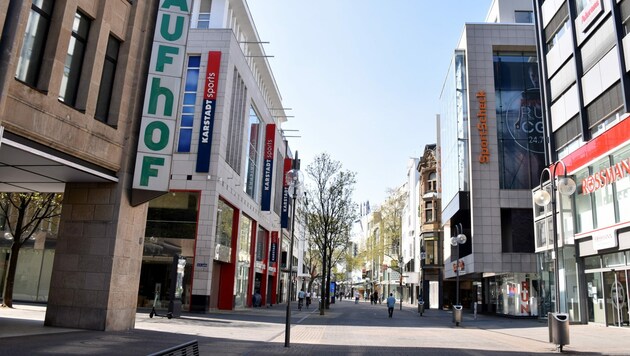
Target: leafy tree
[(23, 215), (330, 212)]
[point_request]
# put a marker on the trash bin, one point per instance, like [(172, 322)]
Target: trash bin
[(457, 314), (558, 328), (420, 307)]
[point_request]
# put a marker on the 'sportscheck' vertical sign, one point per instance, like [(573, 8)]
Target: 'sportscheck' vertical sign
[(270, 140), (161, 100), (209, 106)]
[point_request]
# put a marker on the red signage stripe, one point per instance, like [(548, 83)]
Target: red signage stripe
[(212, 75), (613, 138)]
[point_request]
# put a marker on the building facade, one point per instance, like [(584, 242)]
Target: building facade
[(490, 156), (584, 61), (71, 93), (161, 124), (431, 236)]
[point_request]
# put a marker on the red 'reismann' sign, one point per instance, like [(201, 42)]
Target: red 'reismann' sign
[(606, 176)]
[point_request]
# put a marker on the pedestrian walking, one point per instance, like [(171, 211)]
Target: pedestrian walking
[(391, 302), (308, 299), (300, 299)]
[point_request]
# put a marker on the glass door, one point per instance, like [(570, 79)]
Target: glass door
[(595, 300), (616, 290)]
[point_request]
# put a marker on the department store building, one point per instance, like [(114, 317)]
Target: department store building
[(585, 58), (490, 154), (160, 122)]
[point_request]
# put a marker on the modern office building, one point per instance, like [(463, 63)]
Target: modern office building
[(584, 53), (161, 124), (490, 157)]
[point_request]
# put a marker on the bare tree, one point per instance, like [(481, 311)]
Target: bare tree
[(23, 215), (330, 212)]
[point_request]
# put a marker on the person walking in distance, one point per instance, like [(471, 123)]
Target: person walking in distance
[(391, 302)]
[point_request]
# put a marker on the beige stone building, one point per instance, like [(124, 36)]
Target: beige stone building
[(72, 76)]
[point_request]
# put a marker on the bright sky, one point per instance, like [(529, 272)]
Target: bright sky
[(363, 78)]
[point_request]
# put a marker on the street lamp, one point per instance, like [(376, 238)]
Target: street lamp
[(566, 186), (295, 179), (460, 239)]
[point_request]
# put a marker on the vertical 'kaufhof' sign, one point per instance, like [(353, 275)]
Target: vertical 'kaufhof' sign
[(270, 142), (284, 214), (161, 100), (209, 107)]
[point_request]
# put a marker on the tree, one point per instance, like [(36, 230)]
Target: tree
[(391, 213), (330, 212), (23, 215)]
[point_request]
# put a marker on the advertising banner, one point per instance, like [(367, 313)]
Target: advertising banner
[(208, 109), (270, 140), (161, 102), (284, 215)]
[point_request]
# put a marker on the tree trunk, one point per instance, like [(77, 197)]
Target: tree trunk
[(7, 295), (323, 295)]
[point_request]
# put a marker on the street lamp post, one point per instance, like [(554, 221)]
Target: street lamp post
[(460, 239), (295, 179), (566, 186)]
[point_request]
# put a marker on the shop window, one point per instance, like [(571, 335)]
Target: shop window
[(74, 60), (107, 80), (623, 186), (223, 240), (32, 53), (188, 104), (604, 198)]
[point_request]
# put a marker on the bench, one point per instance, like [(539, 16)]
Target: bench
[(190, 348)]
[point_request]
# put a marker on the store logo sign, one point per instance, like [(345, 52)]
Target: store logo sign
[(604, 239), (161, 101), (208, 109), (482, 127), (270, 141), (606, 176), (590, 12)]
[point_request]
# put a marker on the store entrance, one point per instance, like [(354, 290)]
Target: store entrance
[(616, 289)]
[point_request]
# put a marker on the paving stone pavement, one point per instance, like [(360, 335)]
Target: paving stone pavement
[(345, 329)]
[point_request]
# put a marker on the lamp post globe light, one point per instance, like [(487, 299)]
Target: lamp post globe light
[(558, 323), (295, 178), (460, 239)]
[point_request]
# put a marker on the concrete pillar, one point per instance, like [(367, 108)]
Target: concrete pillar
[(96, 271)]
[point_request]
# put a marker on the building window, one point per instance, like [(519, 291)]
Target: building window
[(107, 80), (524, 16), (519, 116), (623, 187), (432, 182), (428, 211), (251, 173), (74, 59), (261, 244), (583, 204), (237, 123), (201, 14), (34, 42), (188, 104), (244, 262)]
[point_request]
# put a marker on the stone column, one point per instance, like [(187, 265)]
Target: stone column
[(96, 271)]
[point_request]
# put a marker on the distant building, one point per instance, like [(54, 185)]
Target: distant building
[(431, 241)]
